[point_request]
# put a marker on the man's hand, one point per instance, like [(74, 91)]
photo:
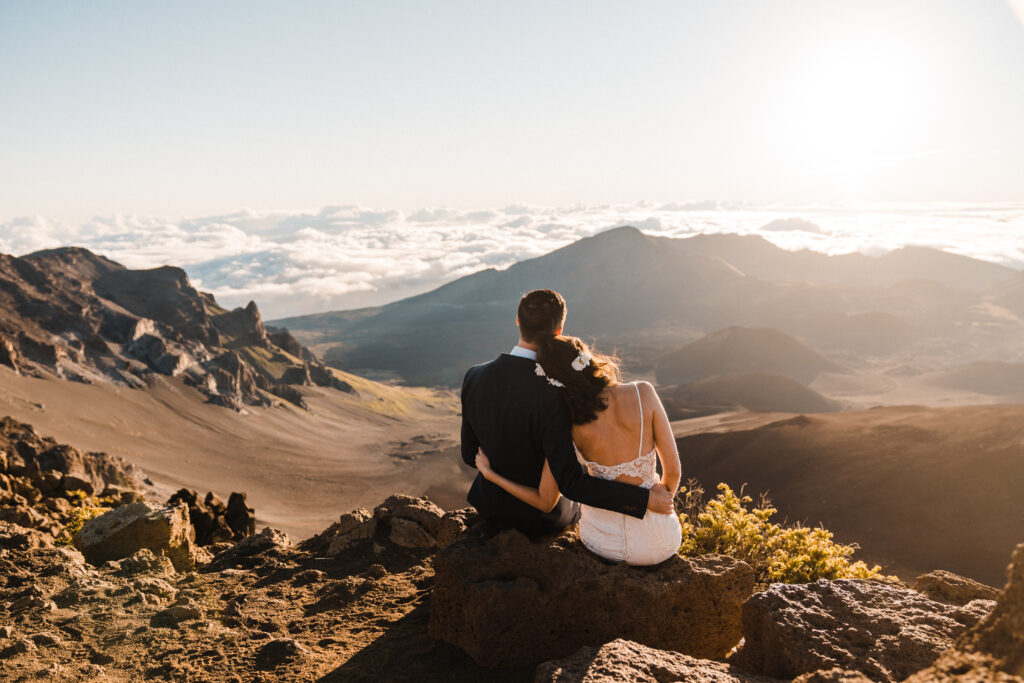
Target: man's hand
[(660, 500)]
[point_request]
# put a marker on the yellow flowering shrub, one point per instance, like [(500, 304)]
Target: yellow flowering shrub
[(83, 508), (730, 525)]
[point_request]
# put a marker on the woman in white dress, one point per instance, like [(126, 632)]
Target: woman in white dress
[(620, 432)]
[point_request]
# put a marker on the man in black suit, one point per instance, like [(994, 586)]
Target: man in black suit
[(519, 420)]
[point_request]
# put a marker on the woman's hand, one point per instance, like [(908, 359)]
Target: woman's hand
[(483, 464)]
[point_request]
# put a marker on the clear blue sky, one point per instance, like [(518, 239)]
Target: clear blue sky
[(193, 108)]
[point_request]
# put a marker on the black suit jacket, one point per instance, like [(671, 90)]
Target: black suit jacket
[(519, 420)]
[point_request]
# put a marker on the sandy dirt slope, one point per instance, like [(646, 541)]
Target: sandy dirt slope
[(300, 469), (918, 488)]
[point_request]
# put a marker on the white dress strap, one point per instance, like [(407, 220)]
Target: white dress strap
[(639, 402)]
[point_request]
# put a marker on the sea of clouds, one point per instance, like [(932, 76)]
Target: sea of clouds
[(339, 257)]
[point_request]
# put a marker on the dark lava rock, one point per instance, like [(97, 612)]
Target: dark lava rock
[(873, 627), (240, 517), (509, 601), (624, 660), (213, 521)]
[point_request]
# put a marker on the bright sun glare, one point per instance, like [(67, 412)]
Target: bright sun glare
[(851, 107)]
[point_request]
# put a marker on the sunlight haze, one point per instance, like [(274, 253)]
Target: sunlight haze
[(194, 108)]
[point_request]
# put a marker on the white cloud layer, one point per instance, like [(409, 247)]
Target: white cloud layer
[(338, 257)]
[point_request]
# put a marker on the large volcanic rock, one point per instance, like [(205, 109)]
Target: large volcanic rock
[(993, 650), (881, 630), (126, 529), (509, 601), (624, 660)]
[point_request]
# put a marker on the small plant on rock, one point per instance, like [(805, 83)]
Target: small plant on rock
[(728, 524)]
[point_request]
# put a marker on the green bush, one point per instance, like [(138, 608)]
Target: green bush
[(729, 524)]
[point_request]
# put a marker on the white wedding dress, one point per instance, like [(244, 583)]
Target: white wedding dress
[(618, 537)]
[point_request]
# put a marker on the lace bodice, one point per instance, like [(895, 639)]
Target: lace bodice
[(644, 466)]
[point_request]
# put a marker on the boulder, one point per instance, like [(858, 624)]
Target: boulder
[(509, 601), (241, 518), (206, 516), (405, 521), (943, 586), (122, 531), (213, 521), (881, 630), (248, 551), (418, 523), (624, 660), (992, 650), (355, 526)]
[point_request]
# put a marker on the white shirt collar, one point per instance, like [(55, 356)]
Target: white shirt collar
[(518, 350)]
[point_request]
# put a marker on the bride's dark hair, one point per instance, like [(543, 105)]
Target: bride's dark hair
[(584, 383)]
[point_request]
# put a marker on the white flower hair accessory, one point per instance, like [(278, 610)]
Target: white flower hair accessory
[(582, 361), (552, 381)]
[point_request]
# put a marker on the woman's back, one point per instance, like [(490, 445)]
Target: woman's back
[(620, 442)]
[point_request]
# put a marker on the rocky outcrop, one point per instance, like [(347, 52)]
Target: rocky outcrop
[(546, 599), (9, 354), (243, 327), (213, 521), (76, 315), (943, 586), (881, 630), (162, 294), (129, 528), (283, 339), (405, 521), (44, 485), (624, 660), (322, 376), (993, 650)]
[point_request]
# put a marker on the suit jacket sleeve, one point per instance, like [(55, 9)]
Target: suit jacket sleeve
[(470, 442), (576, 483)]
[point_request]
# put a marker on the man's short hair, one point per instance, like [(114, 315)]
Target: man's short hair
[(541, 312)]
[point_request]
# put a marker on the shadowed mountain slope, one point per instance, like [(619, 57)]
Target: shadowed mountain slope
[(742, 349), (919, 488), (759, 391)]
